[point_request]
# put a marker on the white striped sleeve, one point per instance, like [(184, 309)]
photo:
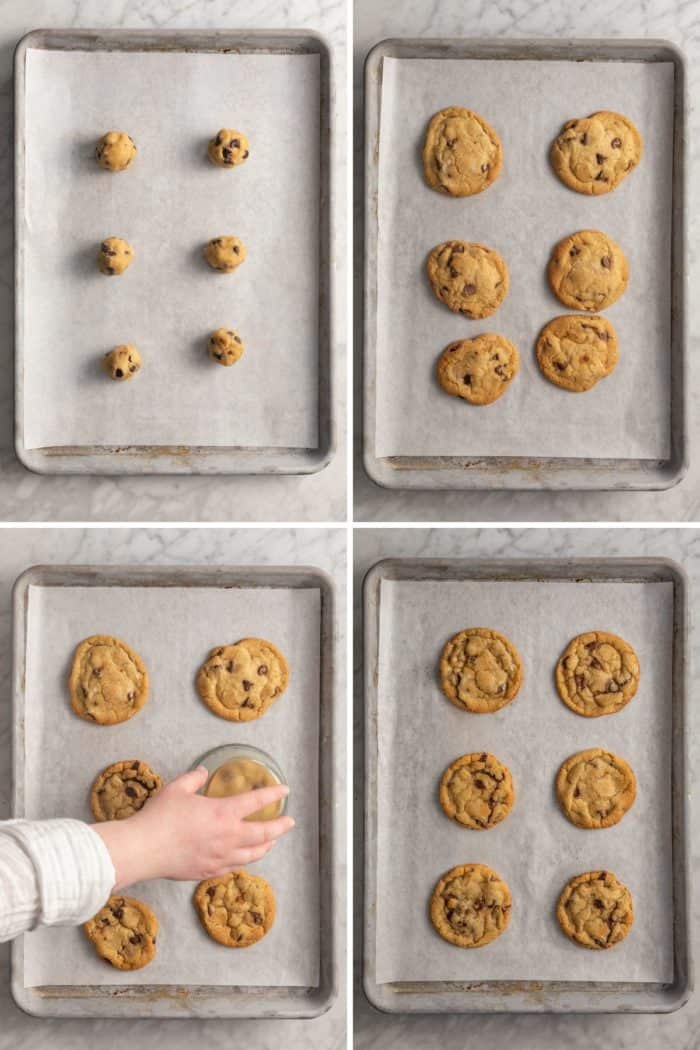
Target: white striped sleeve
[(52, 873)]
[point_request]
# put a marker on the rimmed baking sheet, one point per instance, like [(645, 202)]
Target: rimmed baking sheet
[(173, 618), (413, 733), (628, 430), (270, 413)]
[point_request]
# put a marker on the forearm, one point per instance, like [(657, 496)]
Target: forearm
[(135, 851)]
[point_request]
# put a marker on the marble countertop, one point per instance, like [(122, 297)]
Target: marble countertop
[(679, 1031), (21, 548), (30, 497), (674, 20)]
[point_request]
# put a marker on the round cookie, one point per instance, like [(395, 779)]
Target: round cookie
[(588, 271), (124, 933), (594, 154), (480, 670), (225, 346), (595, 788), (595, 910), (462, 154), (237, 909), (115, 151), (115, 256), (478, 370), (108, 681), (470, 279), (122, 789), (477, 791), (470, 906), (225, 254), (123, 362), (575, 351), (597, 674), (239, 682), (228, 149)]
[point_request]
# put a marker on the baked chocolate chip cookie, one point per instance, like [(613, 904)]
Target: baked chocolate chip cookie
[(480, 670), (470, 906), (594, 154), (478, 370), (595, 788), (108, 681), (575, 351), (595, 910), (588, 271), (237, 909), (462, 154), (477, 791), (122, 789), (470, 279), (597, 674), (239, 682), (124, 933)]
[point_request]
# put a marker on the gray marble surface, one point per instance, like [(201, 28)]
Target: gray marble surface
[(674, 20), (30, 497), (678, 1031), (21, 548)]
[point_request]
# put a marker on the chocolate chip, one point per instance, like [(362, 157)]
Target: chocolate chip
[(136, 939), (104, 247), (484, 168), (131, 792), (606, 261), (97, 671), (600, 158), (211, 891), (616, 143), (235, 143), (130, 696), (469, 289), (483, 756), (227, 154), (584, 139), (230, 666), (236, 249), (458, 249), (600, 177), (245, 154), (262, 669), (119, 373), (574, 251), (467, 380), (480, 783), (560, 365), (218, 139), (133, 368), (247, 685), (453, 272), (118, 913)]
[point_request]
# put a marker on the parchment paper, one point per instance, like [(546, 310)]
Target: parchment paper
[(173, 629), (535, 849), (168, 205), (522, 215)]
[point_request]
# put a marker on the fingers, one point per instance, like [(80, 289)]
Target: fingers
[(188, 783), (254, 833), (248, 855), (251, 801)]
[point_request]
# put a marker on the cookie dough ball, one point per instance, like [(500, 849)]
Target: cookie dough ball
[(115, 256), (115, 151), (225, 254), (225, 346), (229, 148), (123, 362)]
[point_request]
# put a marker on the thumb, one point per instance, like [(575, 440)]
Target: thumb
[(189, 783)]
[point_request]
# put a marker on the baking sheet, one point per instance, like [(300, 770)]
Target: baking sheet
[(535, 849), (524, 213), (168, 205), (173, 629)]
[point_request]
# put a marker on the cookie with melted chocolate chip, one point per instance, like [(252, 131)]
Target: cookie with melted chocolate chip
[(240, 682), (594, 154)]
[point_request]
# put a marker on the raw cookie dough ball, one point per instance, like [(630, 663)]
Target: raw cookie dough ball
[(228, 149), (115, 151), (123, 362), (225, 253), (115, 256), (225, 346)]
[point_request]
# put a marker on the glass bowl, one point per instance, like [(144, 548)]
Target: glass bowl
[(211, 760)]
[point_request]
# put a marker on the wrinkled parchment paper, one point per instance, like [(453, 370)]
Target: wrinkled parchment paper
[(173, 629), (535, 849), (522, 215), (168, 205)]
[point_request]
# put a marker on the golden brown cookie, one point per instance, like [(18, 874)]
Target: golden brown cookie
[(115, 256), (225, 254), (575, 351), (236, 910), (108, 681), (595, 788), (477, 791), (594, 154), (115, 151), (597, 674), (225, 346), (122, 789), (468, 278), (480, 670), (124, 933), (239, 682), (470, 906), (595, 910), (588, 271), (479, 370), (462, 154), (229, 148), (122, 363)]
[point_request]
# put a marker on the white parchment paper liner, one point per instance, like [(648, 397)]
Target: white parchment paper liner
[(522, 215), (536, 849), (168, 205), (173, 629)]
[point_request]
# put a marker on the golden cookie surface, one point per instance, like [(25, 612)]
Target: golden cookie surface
[(595, 910), (478, 370), (108, 681), (470, 906), (462, 154), (477, 791), (469, 278), (124, 933), (480, 670), (122, 789), (237, 909), (239, 682), (594, 154), (574, 352), (588, 271), (595, 788), (597, 674)]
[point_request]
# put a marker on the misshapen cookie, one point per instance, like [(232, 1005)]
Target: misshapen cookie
[(594, 154), (470, 279), (597, 674), (575, 351), (108, 682), (122, 789), (595, 910), (237, 909), (588, 271), (480, 670), (462, 154), (470, 906), (478, 370), (239, 682), (477, 791), (124, 933), (595, 788)]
